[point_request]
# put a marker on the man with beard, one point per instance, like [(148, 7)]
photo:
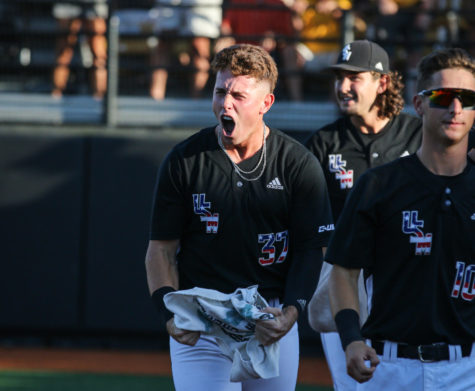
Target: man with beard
[(371, 131)]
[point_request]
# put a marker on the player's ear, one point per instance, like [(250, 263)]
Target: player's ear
[(267, 103), (418, 104), (384, 81)]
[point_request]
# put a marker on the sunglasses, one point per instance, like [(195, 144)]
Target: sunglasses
[(443, 97)]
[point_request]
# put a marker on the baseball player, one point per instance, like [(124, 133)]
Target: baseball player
[(372, 131), (238, 204), (410, 225)]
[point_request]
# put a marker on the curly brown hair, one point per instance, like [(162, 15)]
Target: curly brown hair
[(247, 60), (390, 102), (442, 59)]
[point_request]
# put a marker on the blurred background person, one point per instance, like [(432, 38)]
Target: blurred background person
[(272, 24), (321, 33), (400, 26), (452, 23), (197, 22), (88, 16)]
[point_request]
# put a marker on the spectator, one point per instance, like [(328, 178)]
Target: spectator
[(197, 20), (451, 23), (400, 27), (321, 33), (72, 17), (270, 24)]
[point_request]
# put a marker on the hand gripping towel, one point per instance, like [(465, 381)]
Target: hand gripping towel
[(230, 319)]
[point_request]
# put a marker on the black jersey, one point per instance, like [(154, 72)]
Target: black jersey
[(413, 233), (236, 233), (345, 153)]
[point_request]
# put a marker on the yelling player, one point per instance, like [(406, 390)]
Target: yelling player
[(238, 204)]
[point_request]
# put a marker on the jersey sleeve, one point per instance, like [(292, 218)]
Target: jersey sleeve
[(168, 209), (352, 244), (310, 229), (311, 216)]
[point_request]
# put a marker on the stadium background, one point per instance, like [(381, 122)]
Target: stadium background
[(76, 183)]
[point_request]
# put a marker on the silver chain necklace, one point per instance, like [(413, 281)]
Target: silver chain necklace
[(262, 158)]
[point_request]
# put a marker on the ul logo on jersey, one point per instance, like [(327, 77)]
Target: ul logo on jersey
[(201, 208), (412, 226), (336, 165)]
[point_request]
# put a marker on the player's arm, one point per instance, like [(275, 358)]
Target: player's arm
[(160, 264), (270, 331), (298, 288), (343, 290), (310, 227), (162, 278)]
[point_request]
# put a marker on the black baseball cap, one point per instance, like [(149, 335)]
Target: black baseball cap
[(362, 56)]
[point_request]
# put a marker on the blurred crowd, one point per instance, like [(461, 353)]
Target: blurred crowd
[(303, 36)]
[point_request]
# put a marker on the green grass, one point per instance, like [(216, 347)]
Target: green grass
[(18, 380)]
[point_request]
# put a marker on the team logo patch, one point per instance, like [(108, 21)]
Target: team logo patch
[(337, 166), (275, 184), (411, 225), (201, 207), (346, 53)]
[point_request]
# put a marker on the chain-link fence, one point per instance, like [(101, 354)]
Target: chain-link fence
[(158, 50)]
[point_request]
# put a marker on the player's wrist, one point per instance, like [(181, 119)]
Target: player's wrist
[(157, 297), (291, 312), (295, 304), (348, 325)]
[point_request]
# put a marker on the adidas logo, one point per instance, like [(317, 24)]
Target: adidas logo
[(302, 303), (275, 184), (379, 66)]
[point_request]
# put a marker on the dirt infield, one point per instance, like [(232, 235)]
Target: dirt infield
[(312, 370)]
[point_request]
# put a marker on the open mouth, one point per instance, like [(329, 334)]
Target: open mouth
[(228, 125), (346, 98)]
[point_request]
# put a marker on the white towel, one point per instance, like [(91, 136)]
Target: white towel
[(231, 319)]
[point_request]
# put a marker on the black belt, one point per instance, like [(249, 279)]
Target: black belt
[(425, 353)]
